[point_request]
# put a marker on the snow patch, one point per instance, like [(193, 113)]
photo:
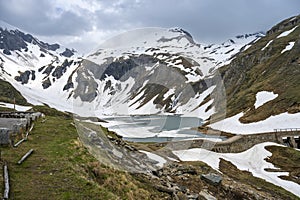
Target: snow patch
[(267, 45), (288, 47), (169, 93), (286, 33), (252, 160), (264, 97), (18, 107), (233, 125), (160, 160), (191, 107)]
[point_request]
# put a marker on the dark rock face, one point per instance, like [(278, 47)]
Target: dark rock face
[(32, 75), (51, 47), (70, 83), (186, 35), (48, 70), (46, 83), (118, 69), (123, 69), (60, 70), (24, 77), (7, 52), (13, 40), (67, 53), (41, 68), (68, 86), (87, 87)]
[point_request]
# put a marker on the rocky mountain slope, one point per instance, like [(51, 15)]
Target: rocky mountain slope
[(30, 64), (144, 71), (270, 66), (152, 70), (246, 79)]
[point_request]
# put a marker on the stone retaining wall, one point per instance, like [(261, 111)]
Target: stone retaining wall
[(13, 124), (239, 143), (247, 141)]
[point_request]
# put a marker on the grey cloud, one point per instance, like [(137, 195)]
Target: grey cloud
[(206, 20), (38, 20), (215, 19)]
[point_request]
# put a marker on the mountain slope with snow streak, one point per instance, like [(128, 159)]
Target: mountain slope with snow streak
[(155, 70), (144, 71), (269, 68), (252, 160)]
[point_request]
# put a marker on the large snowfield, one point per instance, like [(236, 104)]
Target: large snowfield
[(17, 107), (252, 160), (281, 121)]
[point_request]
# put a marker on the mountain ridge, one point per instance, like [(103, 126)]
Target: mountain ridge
[(150, 71)]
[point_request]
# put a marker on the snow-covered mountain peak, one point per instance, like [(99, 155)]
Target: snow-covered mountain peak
[(141, 71), (144, 37), (13, 40), (223, 53), (4, 25), (180, 30)]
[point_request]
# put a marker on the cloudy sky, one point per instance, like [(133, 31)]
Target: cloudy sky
[(84, 24)]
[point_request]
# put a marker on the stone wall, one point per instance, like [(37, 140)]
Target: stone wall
[(247, 141), (13, 124), (4, 136), (238, 143)]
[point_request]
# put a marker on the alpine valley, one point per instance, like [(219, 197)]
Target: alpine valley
[(245, 87)]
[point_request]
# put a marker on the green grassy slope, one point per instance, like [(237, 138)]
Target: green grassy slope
[(61, 168), (257, 70), (8, 93)]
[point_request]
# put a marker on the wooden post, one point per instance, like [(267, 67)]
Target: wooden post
[(6, 182), (18, 143), (25, 156), (27, 133), (15, 104)]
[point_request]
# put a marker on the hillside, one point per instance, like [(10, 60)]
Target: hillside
[(270, 66), (247, 84), (8, 94), (144, 71), (62, 168)]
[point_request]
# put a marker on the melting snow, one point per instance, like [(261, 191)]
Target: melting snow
[(233, 125), (286, 33), (263, 97), (18, 107), (288, 47), (169, 93), (191, 107), (160, 160), (252, 160), (267, 45)]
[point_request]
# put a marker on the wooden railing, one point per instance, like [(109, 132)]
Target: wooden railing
[(287, 130)]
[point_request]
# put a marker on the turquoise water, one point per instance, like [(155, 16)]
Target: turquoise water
[(158, 124)]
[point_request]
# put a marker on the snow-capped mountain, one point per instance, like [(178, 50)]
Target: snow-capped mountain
[(262, 83), (143, 71), (24, 54), (30, 64), (154, 70)]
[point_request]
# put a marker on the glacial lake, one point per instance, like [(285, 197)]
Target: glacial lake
[(157, 128)]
